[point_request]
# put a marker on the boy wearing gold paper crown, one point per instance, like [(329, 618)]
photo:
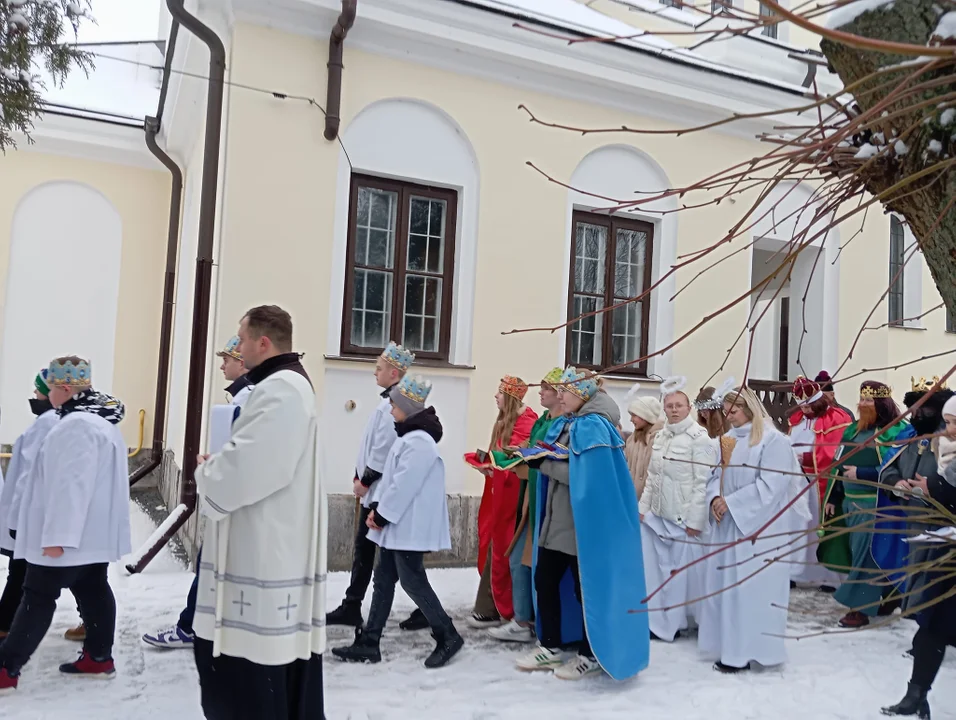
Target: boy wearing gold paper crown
[(588, 542), (408, 518), (181, 636), (73, 522), (850, 503), (376, 443)]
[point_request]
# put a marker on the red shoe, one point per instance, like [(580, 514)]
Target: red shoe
[(88, 667), (854, 619), (7, 684)]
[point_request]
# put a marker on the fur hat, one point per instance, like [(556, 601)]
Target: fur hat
[(646, 407)]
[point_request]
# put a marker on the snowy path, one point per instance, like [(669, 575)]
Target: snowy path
[(838, 677)]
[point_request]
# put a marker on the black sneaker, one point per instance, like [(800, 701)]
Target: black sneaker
[(415, 621), (363, 650), (345, 614), (448, 645)]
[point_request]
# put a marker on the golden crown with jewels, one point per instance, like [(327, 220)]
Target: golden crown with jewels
[(869, 393), (924, 385)]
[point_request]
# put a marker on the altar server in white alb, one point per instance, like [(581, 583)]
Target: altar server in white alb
[(744, 623), (376, 442), (408, 519), (674, 513), (19, 472), (73, 522), (260, 612)]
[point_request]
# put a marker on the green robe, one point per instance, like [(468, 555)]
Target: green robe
[(835, 552), (503, 461)]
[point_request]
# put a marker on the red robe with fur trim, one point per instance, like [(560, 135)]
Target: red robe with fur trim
[(497, 517), (828, 434)]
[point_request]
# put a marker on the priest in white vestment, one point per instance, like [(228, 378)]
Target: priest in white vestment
[(73, 521), (745, 617), (674, 515), (260, 612)]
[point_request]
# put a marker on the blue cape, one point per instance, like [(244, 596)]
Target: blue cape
[(610, 558), (888, 549)]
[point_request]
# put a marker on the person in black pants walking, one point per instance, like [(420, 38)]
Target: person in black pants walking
[(376, 442), (937, 621), (409, 518), (75, 515), (18, 474)]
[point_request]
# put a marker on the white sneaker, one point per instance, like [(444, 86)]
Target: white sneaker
[(578, 668), (541, 659), (512, 632), (480, 622)]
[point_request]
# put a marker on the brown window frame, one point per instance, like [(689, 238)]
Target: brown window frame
[(896, 294), (612, 223), (404, 190)]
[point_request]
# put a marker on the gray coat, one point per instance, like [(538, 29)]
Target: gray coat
[(557, 529)]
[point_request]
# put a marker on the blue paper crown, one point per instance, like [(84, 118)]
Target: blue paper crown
[(231, 349), (398, 357), (415, 388), (579, 383), (77, 374)]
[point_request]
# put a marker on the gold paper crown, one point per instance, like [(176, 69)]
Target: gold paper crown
[(924, 385), (513, 386), (884, 391)]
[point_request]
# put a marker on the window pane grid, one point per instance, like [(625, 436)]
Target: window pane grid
[(768, 30), (897, 261), (616, 337), (400, 267)]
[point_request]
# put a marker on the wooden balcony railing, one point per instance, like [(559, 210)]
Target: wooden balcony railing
[(776, 397)]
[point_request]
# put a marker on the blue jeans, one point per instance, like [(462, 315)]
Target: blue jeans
[(521, 583), (189, 612)]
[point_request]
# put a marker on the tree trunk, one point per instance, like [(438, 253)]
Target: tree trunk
[(929, 210)]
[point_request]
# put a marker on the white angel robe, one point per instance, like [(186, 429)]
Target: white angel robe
[(412, 497), (376, 442), (261, 592), (78, 497), (805, 568), (19, 472), (746, 622)]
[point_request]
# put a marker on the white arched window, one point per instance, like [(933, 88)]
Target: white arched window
[(406, 226), (617, 257)]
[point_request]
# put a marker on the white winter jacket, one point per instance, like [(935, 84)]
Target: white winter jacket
[(682, 461)]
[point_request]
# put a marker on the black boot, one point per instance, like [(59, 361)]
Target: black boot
[(730, 669), (415, 621), (365, 649), (913, 703), (449, 642), (348, 614)]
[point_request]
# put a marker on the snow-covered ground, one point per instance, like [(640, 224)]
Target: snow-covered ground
[(842, 676)]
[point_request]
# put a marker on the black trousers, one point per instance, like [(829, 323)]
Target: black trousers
[(41, 589), (12, 592), (551, 568), (186, 617), (236, 689), (363, 563), (936, 631), (407, 567)]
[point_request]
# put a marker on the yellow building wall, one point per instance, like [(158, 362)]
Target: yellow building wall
[(280, 189), (141, 197)]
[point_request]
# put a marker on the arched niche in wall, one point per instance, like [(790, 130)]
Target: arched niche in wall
[(607, 177), (62, 291), (413, 141), (806, 310)]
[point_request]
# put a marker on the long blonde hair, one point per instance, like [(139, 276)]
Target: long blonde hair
[(747, 400), (505, 424)]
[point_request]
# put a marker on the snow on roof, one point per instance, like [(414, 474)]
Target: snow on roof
[(123, 83), (574, 16), (845, 14)]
